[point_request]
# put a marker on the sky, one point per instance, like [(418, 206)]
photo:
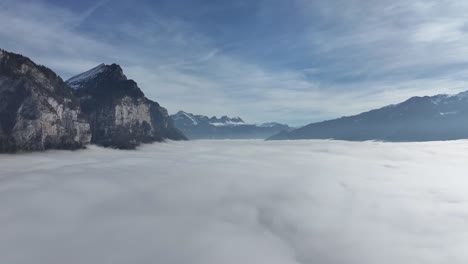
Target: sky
[(230, 202), (296, 61)]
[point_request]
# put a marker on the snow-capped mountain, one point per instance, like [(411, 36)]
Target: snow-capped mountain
[(203, 127), (439, 117), (82, 79), (120, 115), (191, 119), (39, 111), (227, 121)]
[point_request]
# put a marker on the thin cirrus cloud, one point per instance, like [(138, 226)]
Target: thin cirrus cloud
[(89, 11), (263, 60)]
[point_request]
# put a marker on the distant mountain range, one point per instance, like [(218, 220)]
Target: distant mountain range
[(428, 118), (39, 111), (203, 127)]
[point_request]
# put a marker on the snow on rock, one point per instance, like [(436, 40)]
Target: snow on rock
[(181, 115), (229, 123), (225, 127), (76, 81)]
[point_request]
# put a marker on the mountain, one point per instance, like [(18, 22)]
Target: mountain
[(38, 111), (203, 127), (119, 113), (440, 117)]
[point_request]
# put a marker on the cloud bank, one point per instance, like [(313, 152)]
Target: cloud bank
[(237, 202)]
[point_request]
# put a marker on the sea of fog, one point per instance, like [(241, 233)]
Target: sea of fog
[(231, 202)]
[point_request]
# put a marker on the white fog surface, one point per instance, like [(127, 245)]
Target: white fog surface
[(231, 202)]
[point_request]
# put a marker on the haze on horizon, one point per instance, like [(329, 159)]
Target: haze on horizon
[(288, 61)]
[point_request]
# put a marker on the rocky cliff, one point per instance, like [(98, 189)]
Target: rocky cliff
[(119, 113), (37, 109)]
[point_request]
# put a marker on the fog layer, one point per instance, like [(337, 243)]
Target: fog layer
[(231, 202)]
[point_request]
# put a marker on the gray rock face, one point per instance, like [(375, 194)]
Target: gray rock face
[(37, 109), (203, 127), (119, 113)]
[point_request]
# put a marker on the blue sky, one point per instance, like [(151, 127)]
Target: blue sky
[(296, 61)]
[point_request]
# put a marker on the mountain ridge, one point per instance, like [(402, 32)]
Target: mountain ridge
[(204, 127), (419, 118), (120, 114), (39, 111)]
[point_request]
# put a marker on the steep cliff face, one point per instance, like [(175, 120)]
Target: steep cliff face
[(37, 109), (119, 113)]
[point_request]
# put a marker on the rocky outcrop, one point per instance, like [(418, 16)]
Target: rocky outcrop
[(37, 109), (119, 113)]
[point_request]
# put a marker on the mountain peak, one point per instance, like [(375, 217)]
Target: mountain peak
[(185, 117), (181, 113), (420, 118), (204, 127), (226, 120), (102, 71)]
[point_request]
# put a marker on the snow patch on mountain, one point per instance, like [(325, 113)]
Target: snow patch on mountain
[(76, 81), (204, 127), (204, 120), (181, 115), (229, 123)]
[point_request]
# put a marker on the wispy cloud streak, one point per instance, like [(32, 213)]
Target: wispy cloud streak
[(315, 60)]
